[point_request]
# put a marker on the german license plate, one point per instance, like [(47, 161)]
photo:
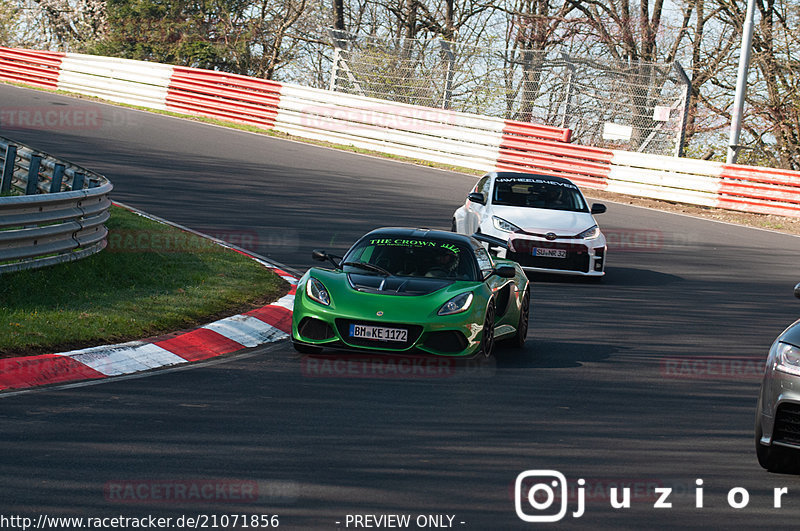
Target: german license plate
[(549, 253), (378, 333)]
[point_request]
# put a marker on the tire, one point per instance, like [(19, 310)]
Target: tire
[(488, 342), (453, 227), (304, 348), (518, 341)]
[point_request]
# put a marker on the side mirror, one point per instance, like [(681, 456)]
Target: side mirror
[(797, 291), (505, 271), (477, 197), (598, 208), (490, 240), (322, 256)]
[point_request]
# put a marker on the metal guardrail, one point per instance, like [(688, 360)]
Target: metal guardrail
[(51, 211)]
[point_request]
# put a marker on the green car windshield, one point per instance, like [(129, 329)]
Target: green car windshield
[(411, 257)]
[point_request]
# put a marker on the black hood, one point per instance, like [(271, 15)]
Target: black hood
[(396, 285)]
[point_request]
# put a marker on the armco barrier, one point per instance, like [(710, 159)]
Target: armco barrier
[(61, 216), (40, 69), (668, 178), (524, 148), (761, 190), (119, 80), (436, 135), (223, 96)]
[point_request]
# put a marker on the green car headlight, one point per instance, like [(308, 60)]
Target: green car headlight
[(788, 359), (457, 304), (316, 291)]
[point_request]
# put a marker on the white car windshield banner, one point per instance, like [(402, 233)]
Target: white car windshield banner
[(529, 180)]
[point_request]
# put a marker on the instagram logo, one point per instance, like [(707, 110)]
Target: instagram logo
[(543, 495), (540, 489)]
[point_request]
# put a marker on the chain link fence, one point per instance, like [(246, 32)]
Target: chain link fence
[(635, 107)]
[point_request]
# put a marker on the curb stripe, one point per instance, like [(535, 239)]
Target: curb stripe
[(33, 371), (199, 345), (287, 301), (246, 330), (277, 316), (125, 358)]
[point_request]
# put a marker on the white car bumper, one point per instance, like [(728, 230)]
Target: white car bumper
[(562, 256)]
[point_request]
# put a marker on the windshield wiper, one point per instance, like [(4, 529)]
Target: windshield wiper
[(369, 267)]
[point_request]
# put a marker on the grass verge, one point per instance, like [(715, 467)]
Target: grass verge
[(152, 279)]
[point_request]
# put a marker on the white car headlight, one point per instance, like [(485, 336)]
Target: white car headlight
[(787, 359), (458, 304), (503, 225), (590, 234), (316, 291)]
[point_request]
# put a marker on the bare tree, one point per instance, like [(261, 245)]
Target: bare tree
[(53, 24), (776, 58), (9, 17), (771, 124), (338, 15), (271, 28), (534, 28)]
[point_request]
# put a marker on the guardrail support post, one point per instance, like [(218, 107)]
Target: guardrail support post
[(77, 181), (58, 177), (8, 169), (33, 175), (687, 94)]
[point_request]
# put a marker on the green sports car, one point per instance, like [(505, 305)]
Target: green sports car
[(412, 290)]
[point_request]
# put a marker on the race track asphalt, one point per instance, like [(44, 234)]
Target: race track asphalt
[(647, 380)]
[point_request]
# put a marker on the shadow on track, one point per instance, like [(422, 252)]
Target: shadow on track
[(553, 355), (616, 276)]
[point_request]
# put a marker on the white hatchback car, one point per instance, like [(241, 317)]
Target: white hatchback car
[(541, 222)]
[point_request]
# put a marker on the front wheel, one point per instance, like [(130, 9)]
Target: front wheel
[(453, 227), (518, 340), (487, 343)]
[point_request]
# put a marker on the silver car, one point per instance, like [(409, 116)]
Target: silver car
[(777, 427)]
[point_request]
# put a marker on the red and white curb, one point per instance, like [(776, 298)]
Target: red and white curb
[(257, 327)]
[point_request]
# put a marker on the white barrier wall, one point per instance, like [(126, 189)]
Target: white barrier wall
[(119, 80), (436, 135)]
